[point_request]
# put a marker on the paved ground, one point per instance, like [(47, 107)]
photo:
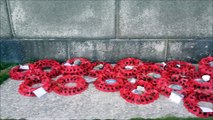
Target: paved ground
[(90, 104)]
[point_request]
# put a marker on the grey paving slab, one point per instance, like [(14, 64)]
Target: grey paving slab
[(5, 31), (63, 18), (165, 18), (90, 104)]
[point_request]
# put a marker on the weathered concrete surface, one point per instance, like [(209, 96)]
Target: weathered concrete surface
[(11, 51), (28, 50), (53, 49), (114, 50), (154, 50), (63, 18), (165, 18), (5, 31), (90, 104), (190, 50)]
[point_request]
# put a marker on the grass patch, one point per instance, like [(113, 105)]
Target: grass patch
[(4, 73), (12, 119), (172, 118)]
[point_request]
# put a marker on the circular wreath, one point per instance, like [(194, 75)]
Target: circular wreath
[(150, 94), (102, 83), (191, 102), (81, 69), (179, 67), (62, 89), (206, 65), (120, 67), (53, 65), (151, 73), (16, 73), (163, 86), (33, 77), (198, 83), (106, 67)]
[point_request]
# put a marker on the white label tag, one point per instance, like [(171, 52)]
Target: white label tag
[(150, 74), (40, 92), (178, 66), (211, 63), (175, 87), (98, 67), (128, 67), (156, 76), (199, 80), (176, 98), (110, 81), (132, 80), (77, 62), (205, 109), (163, 63), (89, 79), (206, 78), (140, 88), (135, 91), (24, 67), (67, 64)]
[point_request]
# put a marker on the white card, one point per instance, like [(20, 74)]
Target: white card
[(175, 87), (67, 64), (157, 76), (128, 67), (98, 67), (135, 91), (110, 81), (24, 67), (176, 98), (206, 78), (206, 109), (77, 62), (163, 63), (211, 63), (132, 80), (140, 88), (178, 66), (40, 92), (89, 79)]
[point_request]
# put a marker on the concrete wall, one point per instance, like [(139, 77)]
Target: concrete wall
[(108, 30)]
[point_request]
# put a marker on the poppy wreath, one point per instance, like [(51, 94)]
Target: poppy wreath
[(35, 76), (16, 73), (148, 96), (81, 69), (191, 102), (62, 89), (121, 70), (206, 65), (95, 73), (151, 73), (102, 85), (52, 64), (179, 67), (163, 86), (202, 85)]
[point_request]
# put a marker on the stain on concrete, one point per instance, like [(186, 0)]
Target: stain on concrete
[(66, 19), (190, 50), (165, 18), (116, 49), (5, 31)]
